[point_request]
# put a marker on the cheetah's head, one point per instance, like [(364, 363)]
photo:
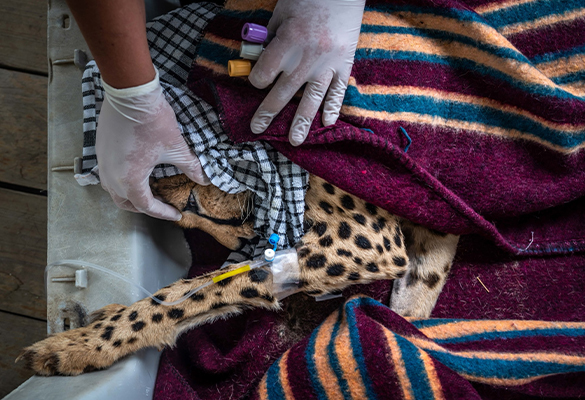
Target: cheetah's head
[(227, 217)]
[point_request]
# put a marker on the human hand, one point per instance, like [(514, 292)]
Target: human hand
[(314, 43), (137, 130)]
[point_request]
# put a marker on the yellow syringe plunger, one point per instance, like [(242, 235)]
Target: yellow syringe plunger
[(239, 67)]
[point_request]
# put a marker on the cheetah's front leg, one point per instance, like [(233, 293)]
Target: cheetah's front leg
[(117, 330)]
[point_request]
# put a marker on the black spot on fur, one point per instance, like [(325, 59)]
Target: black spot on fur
[(400, 274), (131, 340), (133, 315), (120, 310), (412, 278), (357, 260), (362, 242), (258, 275), (161, 297), (329, 188), (157, 317), (175, 313), (447, 268), (117, 343), (115, 317), (219, 294), (397, 238), (372, 209), (399, 261), (344, 253), (197, 297), (379, 248), (71, 344), (376, 227), (372, 267), (326, 241), (303, 252), (84, 334), (224, 282), (344, 230), (335, 270), (97, 326), (341, 210), (320, 228), (307, 224), (249, 293), (85, 340), (382, 222), (360, 219), (354, 276), (138, 326), (218, 305), (268, 297), (99, 348), (387, 245), (316, 261), (107, 335), (328, 208), (432, 280), (347, 202), (90, 368)]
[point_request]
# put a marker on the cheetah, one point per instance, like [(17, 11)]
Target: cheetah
[(347, 241)]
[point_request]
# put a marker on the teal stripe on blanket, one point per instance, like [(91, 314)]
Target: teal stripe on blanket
[(457, 14), (502, 52), (570, 78), (558, 55), (217, 53), (428, 323), (273, 385), (456, 62), (313, 374), (334, 360), (531, 11), (497, 335), (243, 15), (460, 111), (354, 337), (502, 369), (415, 369)]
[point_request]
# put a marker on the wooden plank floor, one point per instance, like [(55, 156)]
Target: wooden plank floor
[(23, 181)]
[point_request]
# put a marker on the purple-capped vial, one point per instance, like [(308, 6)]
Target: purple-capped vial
[(254, 33)]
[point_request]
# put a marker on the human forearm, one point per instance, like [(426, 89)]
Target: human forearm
[(115, 33)]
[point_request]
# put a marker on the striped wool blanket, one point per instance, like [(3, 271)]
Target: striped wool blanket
[(490, 95), (365, 351)]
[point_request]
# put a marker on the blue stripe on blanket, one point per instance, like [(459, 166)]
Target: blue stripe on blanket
[(334, 360), (496, 335), (456, 62), (531, 11), (415, 369), (460, 111)]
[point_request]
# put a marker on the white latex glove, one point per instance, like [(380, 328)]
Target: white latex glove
[(314, 43), (137, 130)]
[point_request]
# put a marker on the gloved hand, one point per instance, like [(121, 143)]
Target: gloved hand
[(314, 43), (137, 129)]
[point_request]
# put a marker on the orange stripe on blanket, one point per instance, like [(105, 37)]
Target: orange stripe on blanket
[(502, 381), (474, 30), (230, 44), (512, 29), (284, 383), (550, 357), (491, 7), (349, 366), (423, 119), (217, 68), (434, 380), (250, 5), (262, 389), (325, 374), (394, 357), (462, 98), (563, 66), (520, 71), (466, 328)]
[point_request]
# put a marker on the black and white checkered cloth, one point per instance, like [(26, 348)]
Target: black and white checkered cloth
[(279, 185)]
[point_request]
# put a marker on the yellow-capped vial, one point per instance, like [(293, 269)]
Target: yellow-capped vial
[(239, 67)]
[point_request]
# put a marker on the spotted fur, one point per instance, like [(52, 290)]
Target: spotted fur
[(346, 241)]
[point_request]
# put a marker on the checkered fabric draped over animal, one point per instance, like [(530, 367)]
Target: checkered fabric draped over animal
[(279, 184), (365, 351)]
